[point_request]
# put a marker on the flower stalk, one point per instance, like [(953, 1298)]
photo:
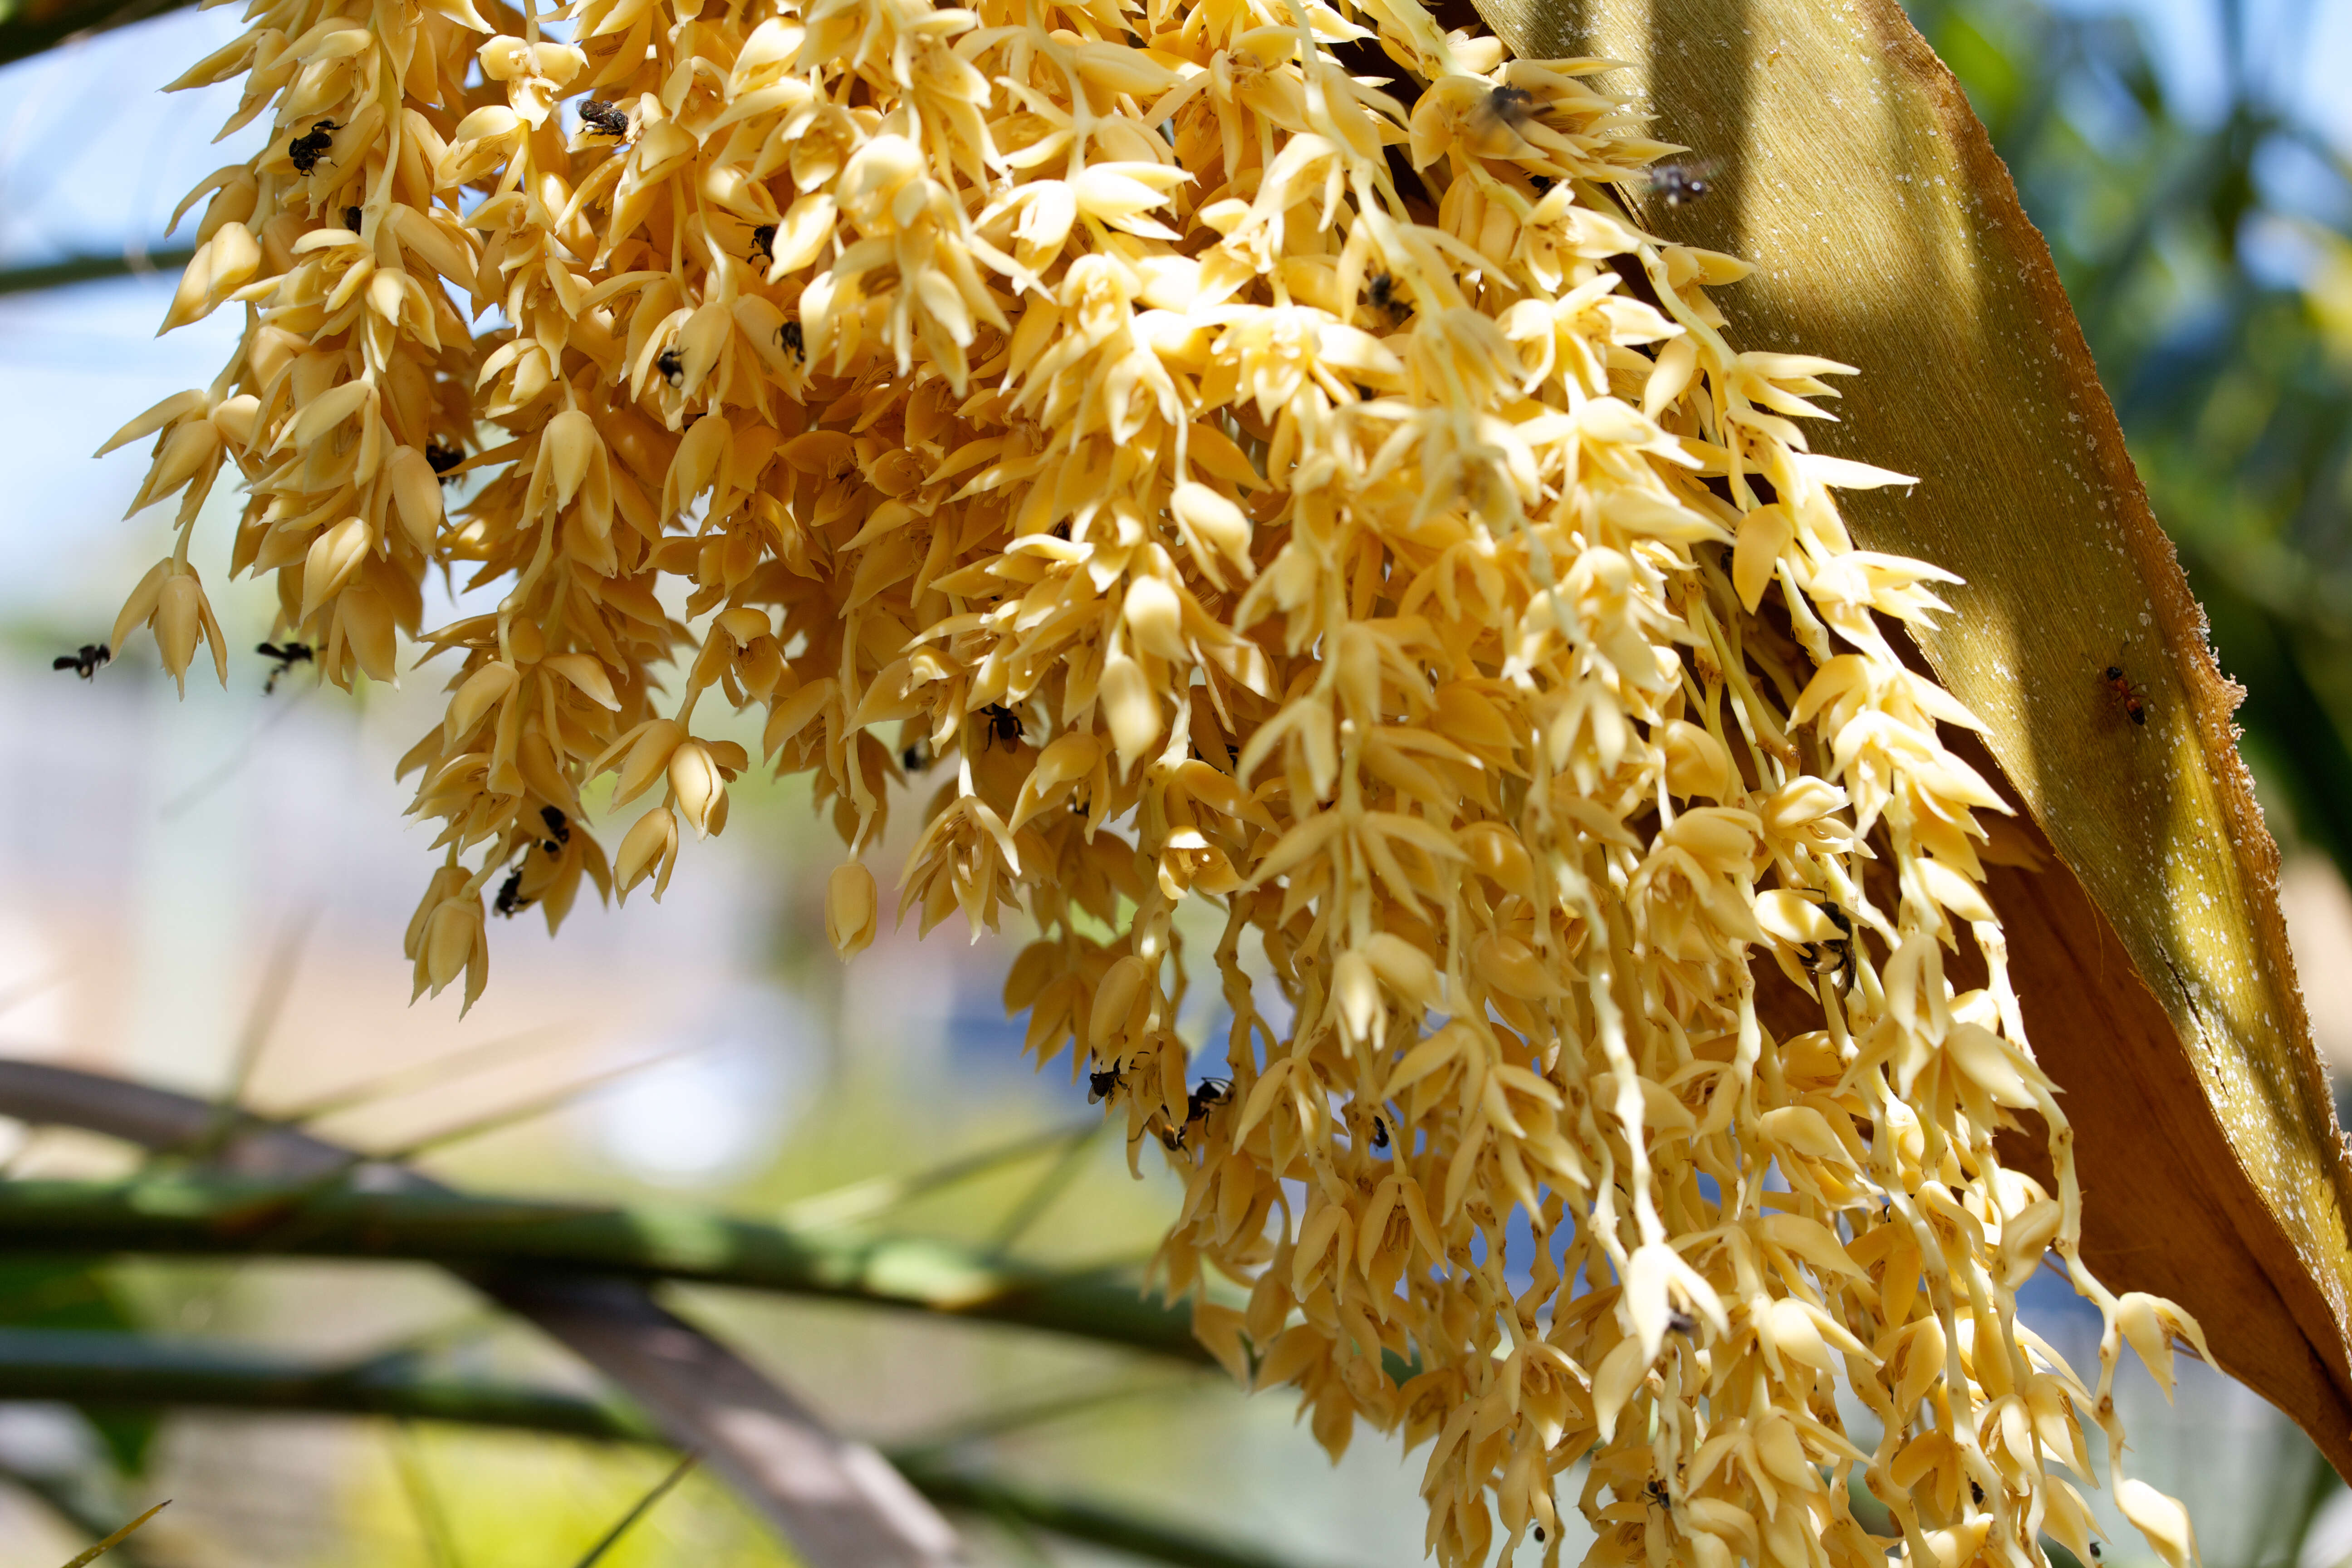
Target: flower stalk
[(1254, 470)]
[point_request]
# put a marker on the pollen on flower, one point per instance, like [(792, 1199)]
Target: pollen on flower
[(1067, 401)]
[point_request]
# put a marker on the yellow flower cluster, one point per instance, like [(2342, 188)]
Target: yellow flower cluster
[(1246, 453)]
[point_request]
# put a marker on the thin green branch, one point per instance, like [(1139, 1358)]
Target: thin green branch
[(187, 1218), (644, 1506), (148, 1373), (29, 27), (862, 1201), (85, 269)]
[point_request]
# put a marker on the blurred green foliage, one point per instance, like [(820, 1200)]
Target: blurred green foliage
[(2208, 250)]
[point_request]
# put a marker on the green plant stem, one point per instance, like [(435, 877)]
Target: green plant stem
[(188, 1217), (142, 1372), (29, 27), (85, 269)]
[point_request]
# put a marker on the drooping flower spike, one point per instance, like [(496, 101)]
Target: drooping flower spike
[(1233, 454)]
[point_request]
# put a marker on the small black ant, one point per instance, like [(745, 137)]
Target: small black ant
[(444, 457), (1004, 724), (559, 828), (1682, 183), (764, 243), (1510, 106), (352, 219), (1657, 1493), (510, 902), (85, 662), (1385, 296), (305, 151), (286, 657), (2125, 695), (1379, 1133), (789, 335), (672, 366), (603, 119)]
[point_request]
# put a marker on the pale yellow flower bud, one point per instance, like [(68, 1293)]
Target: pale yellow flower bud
[(649, 758), (696, 784), (852, 907), (1129, 708), (650, 844), (1155, 619), (335, 558), (2160, 1518)]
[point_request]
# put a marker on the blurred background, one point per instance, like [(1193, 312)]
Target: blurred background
[(210, 895)]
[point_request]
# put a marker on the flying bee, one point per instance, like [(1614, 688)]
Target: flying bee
[(510, 902), (1388, 298), (1680, 182), (84, 661), (559, 829), (1211, 1093), (603, 119), (2125, 695), (764, 243), (1003, 724), (1508, 107), (672, 366), (286, 656), (789, 336), (305, 151)]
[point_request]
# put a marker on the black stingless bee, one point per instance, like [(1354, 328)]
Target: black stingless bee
[(352, 219), (764, 243), (1103, 1082), (305, 151), (1509, 106), (1682, 182), (603, 119), (559, 829), (444, 457), (510, 902), (1387, 297), (1004, 724), (1836, 956), (789, 336), (84, 661), (672, 366), (286, 657), (1212, 1093)]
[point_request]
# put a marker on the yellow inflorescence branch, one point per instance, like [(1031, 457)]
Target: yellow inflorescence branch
[(1244, 453)]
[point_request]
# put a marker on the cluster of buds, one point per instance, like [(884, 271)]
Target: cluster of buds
[(1251, 463)]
